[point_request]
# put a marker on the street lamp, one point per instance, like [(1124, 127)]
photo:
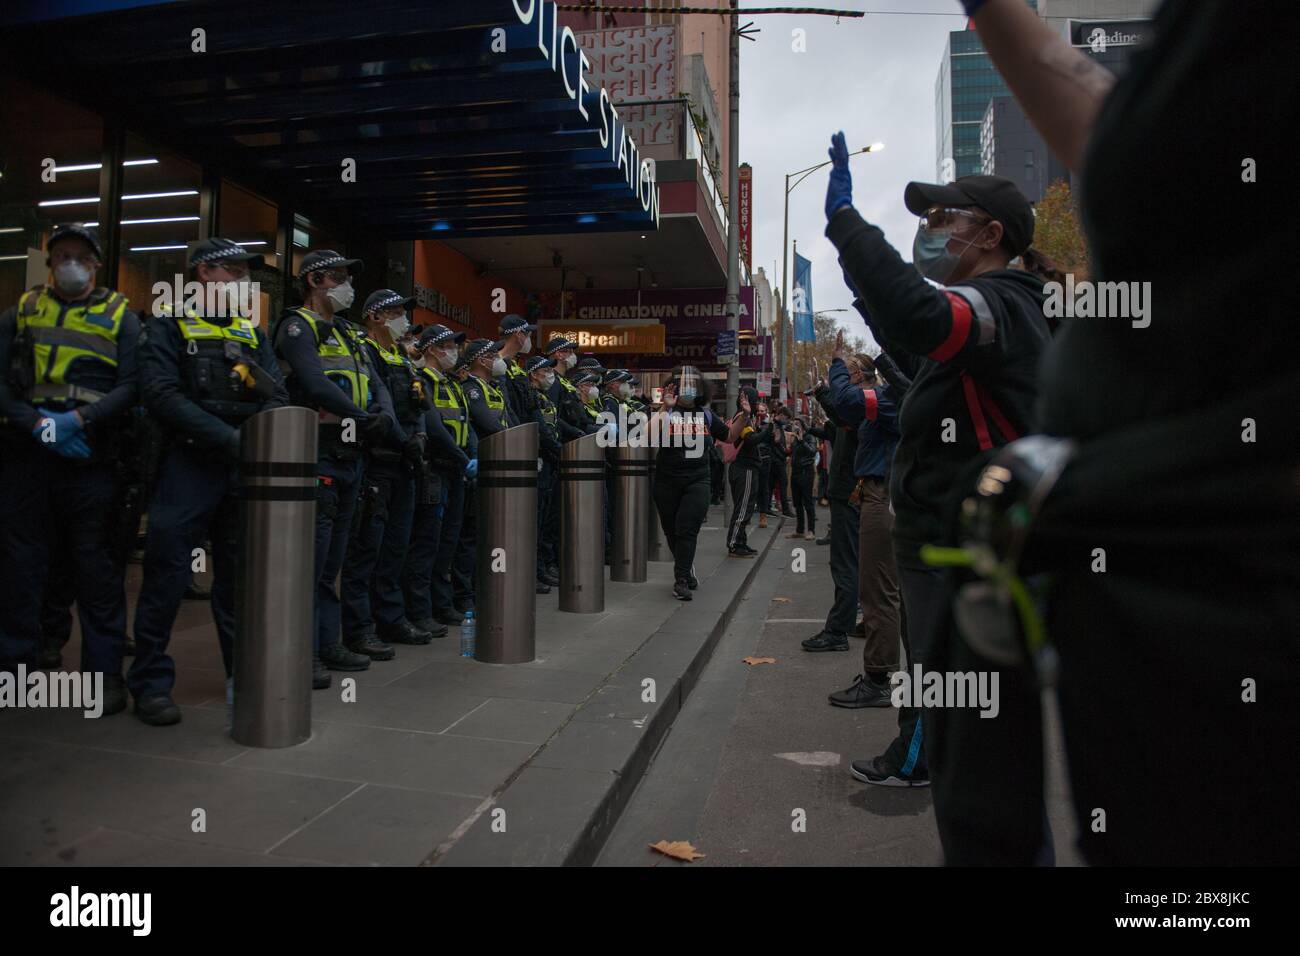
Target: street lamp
[(785, 261)]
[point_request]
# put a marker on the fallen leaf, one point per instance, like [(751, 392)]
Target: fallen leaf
[(678, 850), (780, 600), (759, 660)]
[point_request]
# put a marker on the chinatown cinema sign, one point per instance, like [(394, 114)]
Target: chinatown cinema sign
[(559, 45)]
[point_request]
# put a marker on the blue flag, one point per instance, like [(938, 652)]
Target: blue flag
[(801, 306)]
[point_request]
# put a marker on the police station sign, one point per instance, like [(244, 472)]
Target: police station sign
[(560, 47)]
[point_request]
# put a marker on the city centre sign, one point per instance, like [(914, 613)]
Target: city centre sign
[(559, 45)]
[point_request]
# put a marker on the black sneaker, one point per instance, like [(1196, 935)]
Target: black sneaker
[(742, 552), (876, 771), (546, 577), (692, 581), (407, 633), (825, 641), (372, 647), (681, 590), (115, 698), (862, 693), (196, 592), (448, 616), (338, 658), (320, 677), (825, 540), (158, 710)]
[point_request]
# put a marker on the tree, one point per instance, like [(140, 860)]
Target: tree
[(1057, 233), (825, 328)]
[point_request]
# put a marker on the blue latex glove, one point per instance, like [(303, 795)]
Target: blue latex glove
[(471, 468), (66, 427), (839, 190), (74, 447)]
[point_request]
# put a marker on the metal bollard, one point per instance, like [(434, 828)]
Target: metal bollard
[(656, 544), (273, 606), (505, 578), (582, 526), (631, 489)]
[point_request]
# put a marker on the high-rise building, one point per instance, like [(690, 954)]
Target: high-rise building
[(1107, 30)]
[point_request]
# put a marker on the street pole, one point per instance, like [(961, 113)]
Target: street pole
[(785, 295), (733, 210)]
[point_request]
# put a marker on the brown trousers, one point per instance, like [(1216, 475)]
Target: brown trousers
[(878, 592)]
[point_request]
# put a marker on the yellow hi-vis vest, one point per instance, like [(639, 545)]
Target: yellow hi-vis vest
[(342, 361), (449, 400), (209, 367), (71, 345), (496, 400)]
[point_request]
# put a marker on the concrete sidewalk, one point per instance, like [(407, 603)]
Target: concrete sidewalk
[(440, 760)]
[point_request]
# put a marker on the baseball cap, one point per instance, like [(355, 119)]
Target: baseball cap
[(223, 250), (515, 323), (384, 299), (997, 196), (436, 335), (319, 259), (76, 229)]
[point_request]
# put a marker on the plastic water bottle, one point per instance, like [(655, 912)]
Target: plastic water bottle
[(467, 635)]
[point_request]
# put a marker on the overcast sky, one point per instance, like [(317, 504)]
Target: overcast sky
[(872, 77)]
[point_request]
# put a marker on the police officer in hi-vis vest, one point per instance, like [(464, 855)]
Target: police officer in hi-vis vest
[(515, 346), (203, 374), (541, 373), (427, 581), (374, 608), (327, 368), (67, 379)]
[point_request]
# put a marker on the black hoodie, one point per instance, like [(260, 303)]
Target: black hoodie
[(981, 338)]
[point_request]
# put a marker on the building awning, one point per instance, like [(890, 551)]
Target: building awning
[(458, 125)]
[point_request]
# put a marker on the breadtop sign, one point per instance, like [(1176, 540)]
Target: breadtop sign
[(559, 46)]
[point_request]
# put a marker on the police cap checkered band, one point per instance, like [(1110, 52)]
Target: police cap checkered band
[(557, 343), (383, 299), (537, 361), (326, 259), (217, 249), (478, 348)]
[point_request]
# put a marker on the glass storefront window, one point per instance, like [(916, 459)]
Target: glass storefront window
[(38, 127), (160, 219), (251, 221)]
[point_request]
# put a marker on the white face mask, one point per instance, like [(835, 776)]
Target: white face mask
[(587, 393), (341, 296), (570, 361), (418, 362), (624, 390), (71, 277), (498, 367), (447, 358), (548, 380), (398, 327), (527, 346)]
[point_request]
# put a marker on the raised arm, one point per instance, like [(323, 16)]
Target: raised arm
[(1059, 88)]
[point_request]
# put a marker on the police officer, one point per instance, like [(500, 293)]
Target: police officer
[(552, 431), (67, 378), (449, 459), (327, 368), (374, 607), (489, 409), (516, 343), (562, 392), (203, 374)]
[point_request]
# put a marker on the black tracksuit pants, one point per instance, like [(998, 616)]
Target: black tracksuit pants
[(744, 476)]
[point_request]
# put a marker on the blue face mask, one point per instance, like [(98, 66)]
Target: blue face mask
[(931, 257), (687, 394)]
